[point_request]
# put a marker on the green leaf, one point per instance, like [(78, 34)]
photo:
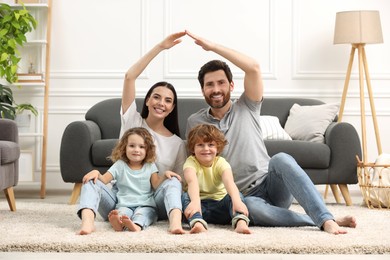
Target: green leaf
[(15, 59), (23, 12), (12, 43), (3, 32), (15, 24), (14, 69), (21, 107), (17, 15), (7, 18), (4, 56)]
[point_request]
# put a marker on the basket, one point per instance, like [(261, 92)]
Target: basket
[(374, 182)]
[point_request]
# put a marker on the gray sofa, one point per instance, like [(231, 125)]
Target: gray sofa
[(86, 144), (9, 159)]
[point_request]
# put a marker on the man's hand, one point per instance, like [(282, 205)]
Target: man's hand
[(205, 44)]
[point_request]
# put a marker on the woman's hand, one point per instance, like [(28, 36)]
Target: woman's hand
[(170, 174), (92, 175), (172, 40)]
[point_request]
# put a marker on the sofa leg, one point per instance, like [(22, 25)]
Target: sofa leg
[(326, 191), (335, 192), (75, 193), (345, 193), (9, 194)]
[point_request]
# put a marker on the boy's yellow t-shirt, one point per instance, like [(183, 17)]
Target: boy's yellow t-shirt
[(209, 178)]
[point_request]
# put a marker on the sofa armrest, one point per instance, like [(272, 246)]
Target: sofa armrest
[(8, 130), (344, 143), (75, 150)]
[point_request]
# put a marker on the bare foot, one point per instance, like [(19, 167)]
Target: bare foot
[(131, 226), (115, 220), (242, 227), (347, 221), (175, 226), (87, 222), (176, 231), (332, 227), (198, 228)]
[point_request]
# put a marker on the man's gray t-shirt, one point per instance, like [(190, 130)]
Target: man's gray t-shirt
[(246, 151)]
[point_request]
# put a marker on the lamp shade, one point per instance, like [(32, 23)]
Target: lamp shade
[(358, 27)]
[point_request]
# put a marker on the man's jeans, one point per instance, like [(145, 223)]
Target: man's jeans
[(269, 202)]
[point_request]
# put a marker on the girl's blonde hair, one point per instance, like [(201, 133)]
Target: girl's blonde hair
[(119, 152), (206, 133)]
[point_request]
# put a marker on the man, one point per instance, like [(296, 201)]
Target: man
[(268, 184)]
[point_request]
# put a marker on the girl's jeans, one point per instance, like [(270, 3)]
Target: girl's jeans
[(100, 198), (142, 216), (269, 202)]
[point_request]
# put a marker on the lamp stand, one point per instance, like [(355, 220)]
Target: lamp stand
[(363, 66)]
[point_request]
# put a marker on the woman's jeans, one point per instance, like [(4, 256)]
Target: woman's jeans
[(269, 202), (213, 211), (100, 198)]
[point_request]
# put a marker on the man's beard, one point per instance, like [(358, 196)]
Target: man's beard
[(215, 104)]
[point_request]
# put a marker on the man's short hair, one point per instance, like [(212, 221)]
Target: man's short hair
[(212, 66)]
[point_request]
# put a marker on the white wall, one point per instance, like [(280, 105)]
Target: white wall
[(94, 42)]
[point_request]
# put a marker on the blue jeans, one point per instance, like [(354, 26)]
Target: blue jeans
[(100, 198), (142, 216), (168, 197), (213, 211), (269, 202)]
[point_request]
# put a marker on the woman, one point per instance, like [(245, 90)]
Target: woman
[(159, 116)]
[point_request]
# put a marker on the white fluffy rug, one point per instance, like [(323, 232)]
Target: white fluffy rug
[(48, 227)]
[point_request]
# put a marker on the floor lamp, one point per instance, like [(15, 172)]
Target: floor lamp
[(358, 28)]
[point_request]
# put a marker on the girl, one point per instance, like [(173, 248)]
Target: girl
[(212, 196), (135, 173)]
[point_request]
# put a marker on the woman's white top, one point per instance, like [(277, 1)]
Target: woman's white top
[(171, 151)]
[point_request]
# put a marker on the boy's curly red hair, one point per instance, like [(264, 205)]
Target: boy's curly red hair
[(206, 133)]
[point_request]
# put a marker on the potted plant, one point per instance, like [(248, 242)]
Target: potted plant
[(8, 107), (14, 25)]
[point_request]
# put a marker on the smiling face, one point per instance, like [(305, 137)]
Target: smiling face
[(161, 102), (135, 150), (205, 152), (216, 89)]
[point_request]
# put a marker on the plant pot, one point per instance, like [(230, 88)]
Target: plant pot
[(23, 121)]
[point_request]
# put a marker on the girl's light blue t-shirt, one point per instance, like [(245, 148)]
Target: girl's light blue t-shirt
[(134, 186)]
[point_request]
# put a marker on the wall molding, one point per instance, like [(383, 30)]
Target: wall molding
[(299, 73), (170, 73)]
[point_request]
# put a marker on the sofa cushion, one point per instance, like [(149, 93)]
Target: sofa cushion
[(9, 152), (271, 129), (309, 123), (100, 150), (309, 155)]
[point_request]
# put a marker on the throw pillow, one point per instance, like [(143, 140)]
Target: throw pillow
[(271, 128), (309, 123)]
